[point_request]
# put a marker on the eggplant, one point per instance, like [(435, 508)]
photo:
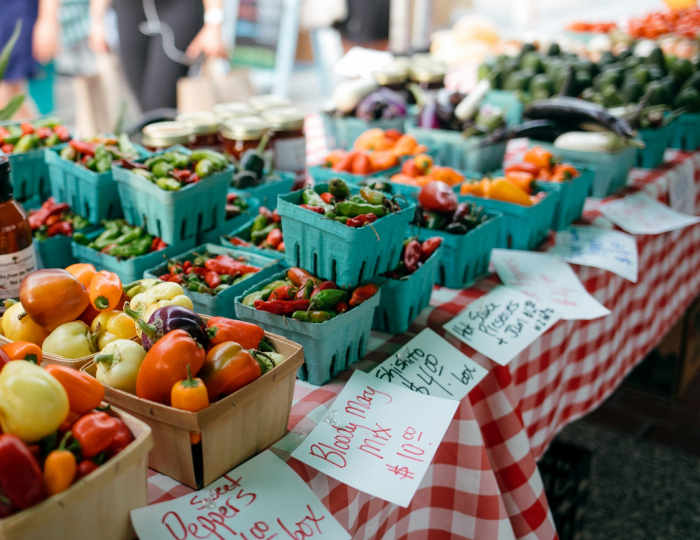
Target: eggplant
[(169, 318), (542, 130), (574, 111), (384, 104)]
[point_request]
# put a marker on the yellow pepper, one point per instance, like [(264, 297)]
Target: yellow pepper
[(71, 340), (140, 286), (112, 325), (33, 402), (119, 363), (143, 305), (502, 190), (24, 329)]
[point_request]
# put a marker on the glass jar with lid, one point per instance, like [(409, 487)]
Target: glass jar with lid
[(394, 77), (430, 76), (160, 135), (241, 134), (288, 140), (205, 128), (267, 102), (234, 109)]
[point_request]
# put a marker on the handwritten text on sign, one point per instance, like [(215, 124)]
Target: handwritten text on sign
[(263, 499), (382, 439), (641, 214), (601, 248), (549, 280), (502, 324), (430, 365)]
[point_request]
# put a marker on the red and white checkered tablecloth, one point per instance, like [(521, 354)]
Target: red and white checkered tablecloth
[(483, 482)]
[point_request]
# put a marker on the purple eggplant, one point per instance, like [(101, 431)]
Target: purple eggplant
[(384, 104), (169, 318)]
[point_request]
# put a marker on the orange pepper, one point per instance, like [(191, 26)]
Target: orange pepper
[(333, 157), (345, 164), (423, 162), (60, 468), (539, 157), (522, 180), (361, 165), (105, 290), (392, 134), (423, 180), (85, 393), (370, 140), (419, 149), (545, 175), (472, 188), (409, 168), (447, 175), (83, 272), (383, 160), (23, 350), (190, 395), (502, 190), (228, 367), (567, 169), (403, 179), (404, 145)]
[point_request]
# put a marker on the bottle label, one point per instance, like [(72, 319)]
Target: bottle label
[(290, 154), (13, 268)]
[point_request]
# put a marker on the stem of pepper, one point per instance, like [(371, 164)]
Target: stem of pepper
[(189, 382), (93, 337), (101, 303), (106, 358), (150, 330), (9, 302), (21, 315), (136, 315), (265, 345)]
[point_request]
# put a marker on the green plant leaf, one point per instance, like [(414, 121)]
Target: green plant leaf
[(7, 49), (12, 107)]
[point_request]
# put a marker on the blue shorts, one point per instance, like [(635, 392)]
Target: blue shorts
[(22, 64)]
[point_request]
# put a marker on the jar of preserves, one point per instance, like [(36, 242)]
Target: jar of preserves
[(241, 134), (429, 76), (234, 109), (394, 77), (162, 135), (267, 102), (205, 128), (288, 140)]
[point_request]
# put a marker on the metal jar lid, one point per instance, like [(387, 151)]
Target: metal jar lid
[(428, 73), (234, 109), (164, 134), (286, 119), (394, 73), (268, 101), (201, 123), (247, 128)]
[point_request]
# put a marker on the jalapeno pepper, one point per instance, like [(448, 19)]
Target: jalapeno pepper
[(351, 209), (326, 299)]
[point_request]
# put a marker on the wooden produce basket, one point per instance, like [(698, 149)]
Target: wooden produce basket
[(97, 506), (233, 429)]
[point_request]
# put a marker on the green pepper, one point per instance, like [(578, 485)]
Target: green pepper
[(243, 277), (168, 184), (204, 168), (80, 238), (326, 299), (221, 288), (162, 168), (351, 209), (135, 248), (338, 189), (435, 220), (249, 299), (103, 159), (91, 164), (15, 134), (200, 288), (259, 223), (274, 285), (26, 143), (106, 238), (180, 160), (259, 236), (69, 153), (310, 197), (371, 196), (79, 222), (151, 161), (129, 235), (302, 316), (148, 175), (342, 219), (320, 316), (217, 159), (51, 122), (52, 140)]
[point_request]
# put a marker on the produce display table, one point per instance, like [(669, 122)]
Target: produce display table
[(483, 481)]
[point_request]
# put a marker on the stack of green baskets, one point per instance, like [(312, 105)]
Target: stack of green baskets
[(571, 199), (686, 132)]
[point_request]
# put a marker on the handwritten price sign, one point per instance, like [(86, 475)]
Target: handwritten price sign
[(263, 499), (640, 214), (430, 365), (381, 440), (502, 324), (549, 280), (601, 248)]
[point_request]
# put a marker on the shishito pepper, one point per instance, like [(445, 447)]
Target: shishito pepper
[(20, 476), (94, 432), (84, 392), (190, 395), (118, 364), (246, 334), (33, 402), (228, 367)]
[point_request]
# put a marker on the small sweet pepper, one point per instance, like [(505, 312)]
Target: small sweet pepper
[(118, 364), (71, 340), (228, 367), (20, 476)]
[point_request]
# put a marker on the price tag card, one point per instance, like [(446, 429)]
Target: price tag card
[(379, 438), (502, 323), (641, 214), (681, 189), (591, 246), (262, 499), (549, 280), (430, 365)]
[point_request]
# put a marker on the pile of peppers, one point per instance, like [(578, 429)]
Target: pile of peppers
[(54, 431), (439, 210), (352, 210), (121, 240), (174, 170), (307, 298), (98, 153), (235, 206), (19, 138), (265, 232), (54, 219), (208, 273), (413, 255)]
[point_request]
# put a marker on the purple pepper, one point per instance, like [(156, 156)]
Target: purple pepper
[(169, 318)]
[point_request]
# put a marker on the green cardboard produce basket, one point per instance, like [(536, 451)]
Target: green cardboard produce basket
[(509, 102), (29, 175), (268, 191), (243, 232), (329, 347), (656, 141), (325, 174), (686, 132), (403, 300), (572, 197), (222, 305), (343, 132), (174, 216), (334, 251)]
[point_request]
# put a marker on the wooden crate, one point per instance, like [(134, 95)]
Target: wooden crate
[(97, 506), (233, 429)]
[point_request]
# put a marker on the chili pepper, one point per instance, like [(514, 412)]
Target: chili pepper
[(456, 228), (20, 476), (236, 241), (190, 395), (121, 440), (27, 128), (62, 132), (7, 148), (429, 246), (26, 143), (223, 264), (341, 307), (200, 271), (94, 432), (372, 196), (281, 307), (360, 221), (22, 350), (327, 198), (320, 316), (84, 392), (60, 468), (105, 290), (351, 209), (326, 299), (298, 276), (85, 148), (317, 209), (228, 367), (259, 237), (63, 228), (304, 292), (412, 254), (44, 132), (363, 293), (311, 198), (169, 318), (49, 208), (327, 285), (212, 278), (285, 292), (84, 468), (274, 238), (259, 222), (4, 133), (281, 247)]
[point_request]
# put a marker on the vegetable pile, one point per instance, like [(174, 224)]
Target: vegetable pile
[(685, 23), (99, 153), (364, 100), (539, 164), (439, 210), (265, 232), (513, 188), (596, 28), (235, 206), (451, 111), (19, 138), (420, 170), (54, 219), (55, 431), (307, 298), (413, 255), (352, 210), (208, 273), (174, 170), (121, 240)]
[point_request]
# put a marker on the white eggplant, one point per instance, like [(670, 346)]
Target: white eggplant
[(469, 106), (589, 141), (348, 95)]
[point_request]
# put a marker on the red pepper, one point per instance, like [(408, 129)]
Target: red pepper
[(177, 279), (27, 128), (230, 197), (363, 293), (276, 218), (161, 245), (83, 147), (274, 238), (238, 241), (20, 475), (265, 212), (437, 196), (199, 271), (62, 132), (247, 335), (63, 228), (429, 246), (281, 247), (186, 265), (182, 175), (359, 221), (95, 432), (326, 197), (223, 264), (49, 208), (84, 468), (341, 307), (154, 244), (44, 132), (165, 277), (212, 278), (194, 178), (327, 285), (121, 440), (531, 168), (4, 133), (282, 307), (316, 209), (7, 148), (412, 254), (285, 292)]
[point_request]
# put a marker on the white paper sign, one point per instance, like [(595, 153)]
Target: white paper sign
[(502, 323), (261, 499), (591, 246), (430, 365), (681, 189), (381, 439), (641, 214), (549, 280)]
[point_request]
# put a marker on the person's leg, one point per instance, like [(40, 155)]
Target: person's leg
[(133, 44), (159, 88)]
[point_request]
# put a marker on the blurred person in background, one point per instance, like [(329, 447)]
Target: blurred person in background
[(38, 42), (152, 37)]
